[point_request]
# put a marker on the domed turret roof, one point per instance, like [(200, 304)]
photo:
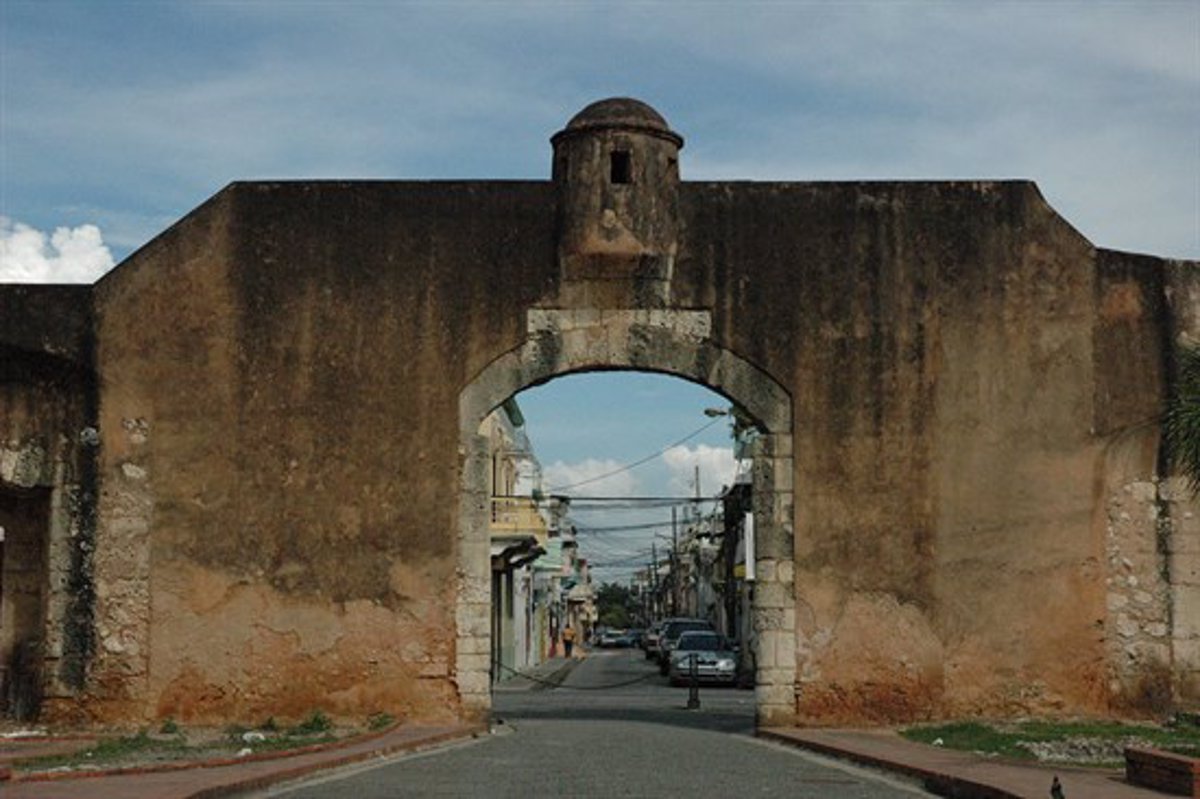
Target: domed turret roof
[(623, 113)]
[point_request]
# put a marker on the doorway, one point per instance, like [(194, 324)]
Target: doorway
[(24, 522)]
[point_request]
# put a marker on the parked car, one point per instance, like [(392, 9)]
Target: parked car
[(650, 641), (612, 638), (671, 630), (716, 662), (633, 637)]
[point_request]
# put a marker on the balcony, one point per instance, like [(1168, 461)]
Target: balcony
[(516, 517)]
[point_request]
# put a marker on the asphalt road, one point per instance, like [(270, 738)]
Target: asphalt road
[(614, 728)]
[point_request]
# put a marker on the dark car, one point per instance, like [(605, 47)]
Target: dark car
[(715, 659), (671, 630)]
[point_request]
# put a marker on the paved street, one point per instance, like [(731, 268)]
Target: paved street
[(588, 739)]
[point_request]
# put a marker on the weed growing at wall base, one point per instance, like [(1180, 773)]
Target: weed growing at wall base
[(1098, 743)]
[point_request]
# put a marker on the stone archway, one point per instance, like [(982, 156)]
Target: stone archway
[(560, 342)]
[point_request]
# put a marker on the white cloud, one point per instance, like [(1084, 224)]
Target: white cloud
[(772, 91), (69, 255), (717, 469), (618, 482)]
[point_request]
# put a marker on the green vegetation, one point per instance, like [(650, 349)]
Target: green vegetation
[(173, 744), (615, 606), (317, 722), (110, 751), (1096, 742), (1181, 426), (380, 721)]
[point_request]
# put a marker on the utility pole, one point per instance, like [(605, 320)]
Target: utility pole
[(674, 566), (653, 582)]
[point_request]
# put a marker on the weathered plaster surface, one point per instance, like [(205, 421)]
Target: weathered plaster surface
[(47, 442), (967, 462)]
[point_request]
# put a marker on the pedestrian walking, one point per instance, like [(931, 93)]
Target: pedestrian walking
[(568, 637)]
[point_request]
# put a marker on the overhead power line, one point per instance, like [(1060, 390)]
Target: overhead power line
[(613, 528), (637, 463)]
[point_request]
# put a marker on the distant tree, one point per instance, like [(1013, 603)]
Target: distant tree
[(615, 605), (1181, 427), (614, 618)]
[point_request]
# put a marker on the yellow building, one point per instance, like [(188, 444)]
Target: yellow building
[(518, 534)]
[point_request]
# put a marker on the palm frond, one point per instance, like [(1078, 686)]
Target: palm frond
[(1181, 425)]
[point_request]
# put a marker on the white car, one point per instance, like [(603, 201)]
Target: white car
[(715, 660)]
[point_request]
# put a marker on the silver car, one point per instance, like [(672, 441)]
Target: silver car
[(715, 659)]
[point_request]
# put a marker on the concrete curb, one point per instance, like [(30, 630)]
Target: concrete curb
[(285, 775), (937, 782), (212, 762), (556, 677)]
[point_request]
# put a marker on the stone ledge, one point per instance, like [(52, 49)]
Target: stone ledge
[(1163, 771)]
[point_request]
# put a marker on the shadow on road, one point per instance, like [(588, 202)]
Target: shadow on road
[(717, 720)]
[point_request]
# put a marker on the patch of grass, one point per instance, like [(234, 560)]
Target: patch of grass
[(172, 743), (1004, 739), (318, 722), (292, 741), (107, 752), (379, 721), (234, 732), (970, 736)]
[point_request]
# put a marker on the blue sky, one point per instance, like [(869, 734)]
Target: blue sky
[(117, 118), (585, 426)]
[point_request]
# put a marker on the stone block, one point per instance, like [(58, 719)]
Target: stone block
[(775, 676), (1176, 490), (783, 479), (781, 445), (1185, 530), (479, 661), (789, 620), (765, 569), (473, 620), (472, 645), (474, 589), (777, 650), (764, 653), (771, 595), (776, 694), (1186, 611), (473, 683), (1186, 654), (786, 572), (1185, 568)]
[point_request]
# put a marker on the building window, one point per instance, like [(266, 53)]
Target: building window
[(621, 167)]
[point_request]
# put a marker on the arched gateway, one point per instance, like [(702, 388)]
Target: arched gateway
[(678, 343), (252, 459)]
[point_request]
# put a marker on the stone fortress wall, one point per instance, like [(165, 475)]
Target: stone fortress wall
[(968, 511)]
